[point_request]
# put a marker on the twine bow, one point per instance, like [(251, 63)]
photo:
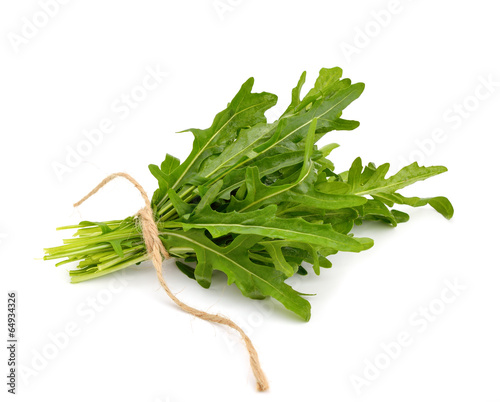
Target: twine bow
[(156, 250)]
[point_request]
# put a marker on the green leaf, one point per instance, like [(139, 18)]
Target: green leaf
[(374, 181), (163, 175), (326, 111), (259, 195), (440, 204), (376, 210), (180, 206), (264, 223), (245, 110), (254, 280), (296, 94), (327, 149), (185, 269), (102, 225), (209, 197), (265, 166), (279, 260), (341, 219)]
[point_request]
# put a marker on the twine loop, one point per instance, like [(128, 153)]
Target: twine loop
[(156, 250)]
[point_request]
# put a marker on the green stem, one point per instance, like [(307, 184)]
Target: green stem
[(78, 276)]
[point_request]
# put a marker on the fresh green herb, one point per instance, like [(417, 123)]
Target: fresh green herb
[(257, 200)]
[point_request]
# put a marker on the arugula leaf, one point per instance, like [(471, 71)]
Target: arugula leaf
[(254, 280), (246, 109), (375, 210), (373, 181), (263, 222), (440, 204), (162, 174)]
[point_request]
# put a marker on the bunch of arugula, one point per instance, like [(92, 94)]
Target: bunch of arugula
[(257, 200)]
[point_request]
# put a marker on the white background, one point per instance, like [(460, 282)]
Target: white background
[(427, 61)]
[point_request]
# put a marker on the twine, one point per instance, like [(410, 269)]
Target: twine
[(156, 250)]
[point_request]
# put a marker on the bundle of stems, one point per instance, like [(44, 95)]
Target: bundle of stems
[(257, 200)]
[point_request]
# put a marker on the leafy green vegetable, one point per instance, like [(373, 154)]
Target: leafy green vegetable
[(257, 199)]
